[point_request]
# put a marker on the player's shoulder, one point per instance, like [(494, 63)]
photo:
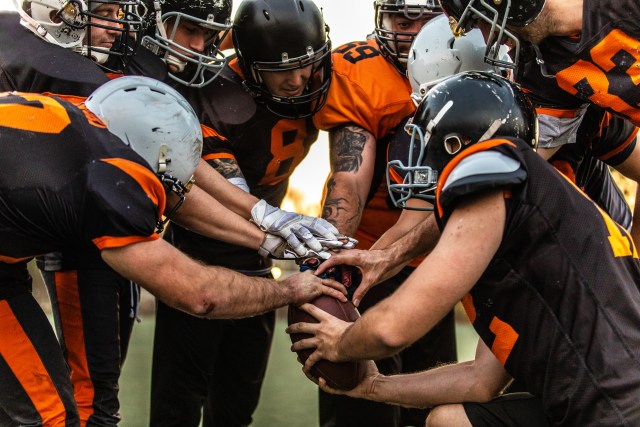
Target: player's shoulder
[(361, 59)]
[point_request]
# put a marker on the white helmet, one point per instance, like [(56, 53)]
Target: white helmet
[(437, 54), (154, 120), (66, 23)]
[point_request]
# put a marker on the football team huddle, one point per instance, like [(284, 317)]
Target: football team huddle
[(470, 146)]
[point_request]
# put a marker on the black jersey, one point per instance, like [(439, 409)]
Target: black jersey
[(68, 183), (49, 68), (266, 147), (559, 304)]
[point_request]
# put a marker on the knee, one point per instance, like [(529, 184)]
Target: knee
[(447, 416)]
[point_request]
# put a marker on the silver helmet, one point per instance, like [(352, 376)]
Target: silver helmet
[(156, 122), (437, 54)]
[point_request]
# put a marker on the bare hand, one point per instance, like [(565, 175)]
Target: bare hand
[(307, 287), (363, 390), (325, 336), (370, 263)]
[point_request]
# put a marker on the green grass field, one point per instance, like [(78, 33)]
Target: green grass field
[(288, 397)]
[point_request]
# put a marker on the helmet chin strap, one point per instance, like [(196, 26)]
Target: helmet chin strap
[(96, 56), (176, 62)]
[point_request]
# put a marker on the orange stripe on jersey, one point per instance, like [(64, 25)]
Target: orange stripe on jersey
[(565, 168), (561, 114), (215, 156), (43, 115), (11, 260), (506, 338), (235, 66), (107, 242), (146, 178), (208, 132), (480, 146), (469, 308), (26, 365), (621, 147), (73, 331), (74, 99), (112, 76)]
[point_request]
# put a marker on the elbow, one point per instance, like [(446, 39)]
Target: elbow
[(391, 339), (199, 304)]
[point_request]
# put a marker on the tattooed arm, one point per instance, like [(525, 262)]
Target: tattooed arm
[(218, 182), (352, 153)]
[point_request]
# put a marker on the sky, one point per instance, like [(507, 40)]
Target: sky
[(348, 20)]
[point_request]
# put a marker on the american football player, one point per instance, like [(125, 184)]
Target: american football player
[(585, 50), (369, 96), (547, 279), (261, 104), (109, 169)]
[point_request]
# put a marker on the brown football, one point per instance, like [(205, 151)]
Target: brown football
[(340, 375)]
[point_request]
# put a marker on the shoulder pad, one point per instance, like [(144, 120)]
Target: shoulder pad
[(482, 171)]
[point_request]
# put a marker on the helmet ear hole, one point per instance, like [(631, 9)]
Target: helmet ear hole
[(453, 144)]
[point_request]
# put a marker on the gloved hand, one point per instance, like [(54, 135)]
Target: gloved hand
[(301, 232), (276, 247)]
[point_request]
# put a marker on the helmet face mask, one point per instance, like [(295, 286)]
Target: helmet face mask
[(456, 114), (157, 123), (170, 18), (69, 24), (283, 36), (497, 14), (393, 44)]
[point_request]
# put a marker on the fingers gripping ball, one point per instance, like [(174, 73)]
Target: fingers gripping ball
[(340, 375), (348, 275)]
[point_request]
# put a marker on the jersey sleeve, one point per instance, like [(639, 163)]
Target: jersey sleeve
[(125, 200), (615, 141), (485, 166)]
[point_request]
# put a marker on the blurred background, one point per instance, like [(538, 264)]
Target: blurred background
[(288, 398)]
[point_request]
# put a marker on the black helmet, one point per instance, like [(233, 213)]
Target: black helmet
[(455, 114), (388, 41), (195, 69), (280, 36), (498, 13)]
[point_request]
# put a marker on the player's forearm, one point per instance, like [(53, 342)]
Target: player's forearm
[(234, 295), (403, 244), (218, 187), (206, 216), (443, 385), (343, 203)]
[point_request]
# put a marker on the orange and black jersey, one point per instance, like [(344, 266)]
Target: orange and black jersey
[(368, 91), (67, 183), (599, 66), (559, 304), (266, 147)]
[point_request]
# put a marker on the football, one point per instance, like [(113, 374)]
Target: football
[(341, 375)]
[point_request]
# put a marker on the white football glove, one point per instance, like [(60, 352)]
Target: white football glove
[(301, 232), (276, 247)]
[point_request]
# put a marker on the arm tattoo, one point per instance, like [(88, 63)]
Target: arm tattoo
[(338, 210), (347, 145), (228, 168)]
